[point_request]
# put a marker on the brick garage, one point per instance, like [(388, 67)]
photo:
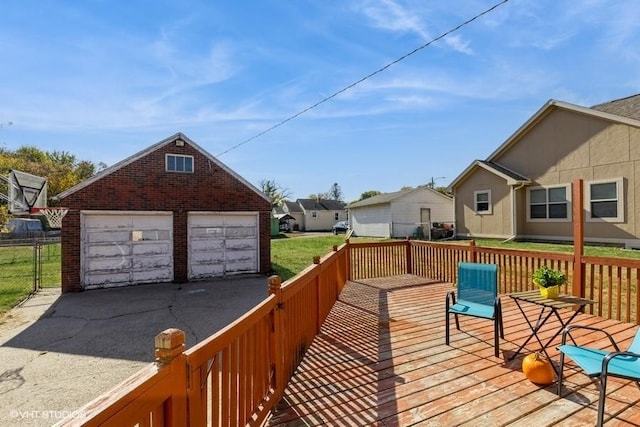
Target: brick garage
[(171, 212)]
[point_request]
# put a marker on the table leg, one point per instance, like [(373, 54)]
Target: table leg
[(534, 329)]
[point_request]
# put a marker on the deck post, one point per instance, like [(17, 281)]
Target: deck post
[(578, 238), (472, 251), (169, 351), (408, 257), (318, 282), (275, 288)]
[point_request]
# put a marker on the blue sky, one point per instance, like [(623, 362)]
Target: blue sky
[(104, 82)]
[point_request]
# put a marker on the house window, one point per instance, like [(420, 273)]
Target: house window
[(314, 214), (548, 204), (482, 202), (605, 200), (179, 163), (336, 216)]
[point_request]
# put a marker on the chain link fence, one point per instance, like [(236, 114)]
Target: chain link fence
[(27, 265)]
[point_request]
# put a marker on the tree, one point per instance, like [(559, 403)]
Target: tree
[(319, 196), (368, 194), (274, 191), (61, 169), (335, 192)]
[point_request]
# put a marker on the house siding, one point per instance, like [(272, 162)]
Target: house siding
[(405, 212), (567, 145), (401, 216), (372, 221), (497, 224), (324, 221), (144, 185)]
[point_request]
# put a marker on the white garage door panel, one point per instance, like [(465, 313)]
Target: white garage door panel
[(221, 244), (108, 250), (98, 279), (151, 276), (97, 236), (125, 249)]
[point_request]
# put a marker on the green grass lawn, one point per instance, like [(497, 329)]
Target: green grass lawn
[(600, 251), (17, 272), (290, 254)]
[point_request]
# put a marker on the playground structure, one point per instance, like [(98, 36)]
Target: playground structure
[(26, 194)]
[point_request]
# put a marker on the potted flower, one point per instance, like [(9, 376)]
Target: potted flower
[(549, 281)]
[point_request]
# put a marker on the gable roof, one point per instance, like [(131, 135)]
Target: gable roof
[(146, 151), (611, 111), (292, 206), (512, 177), (389, 197), (321, 204)]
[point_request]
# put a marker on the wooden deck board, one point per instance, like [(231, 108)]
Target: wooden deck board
[(380, 360)]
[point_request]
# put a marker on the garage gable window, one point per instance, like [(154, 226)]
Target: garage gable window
[(482, 202), (179, 163), (548, 204), (605, 200)]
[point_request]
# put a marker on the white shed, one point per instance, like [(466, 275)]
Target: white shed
[(399, 214)]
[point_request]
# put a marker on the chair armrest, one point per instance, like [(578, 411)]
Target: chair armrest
[(451, 299), (567, 331), (609, 357)]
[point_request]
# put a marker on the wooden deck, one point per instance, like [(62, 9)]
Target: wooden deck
[(381, 360)]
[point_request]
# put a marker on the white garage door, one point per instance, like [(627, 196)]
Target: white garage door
[(222, 244), (126, 248)]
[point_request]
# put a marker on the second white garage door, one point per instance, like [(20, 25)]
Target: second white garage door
[(222, 244)]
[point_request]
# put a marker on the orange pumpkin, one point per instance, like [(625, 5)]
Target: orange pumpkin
[(538, 369)]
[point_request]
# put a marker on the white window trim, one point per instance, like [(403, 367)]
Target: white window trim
[(620, 196), (184, 156), (489, 211), (569, 204)]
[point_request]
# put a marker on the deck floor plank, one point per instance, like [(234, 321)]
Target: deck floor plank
[(380, 360)]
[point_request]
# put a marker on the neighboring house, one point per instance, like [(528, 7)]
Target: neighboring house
[(290, 213), (523, 189), (399, 214), (321, 214), (170, 213)]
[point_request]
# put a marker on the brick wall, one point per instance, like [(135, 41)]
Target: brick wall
[(144, 185)]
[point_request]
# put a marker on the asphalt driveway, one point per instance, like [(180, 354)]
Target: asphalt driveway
[(58, 352)]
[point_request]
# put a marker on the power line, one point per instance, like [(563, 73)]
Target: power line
[(368, 76)]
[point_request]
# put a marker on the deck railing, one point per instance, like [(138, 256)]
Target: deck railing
[(237, 375), (612, 283)]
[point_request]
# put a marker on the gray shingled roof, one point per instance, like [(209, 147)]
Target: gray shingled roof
[(321, 204), (626, 107), (292, 206), (504, 170)]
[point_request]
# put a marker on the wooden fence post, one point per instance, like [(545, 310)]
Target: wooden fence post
[(578, 237), (170, 347), (275, 288)]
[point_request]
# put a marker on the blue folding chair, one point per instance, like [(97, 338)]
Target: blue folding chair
[(477, 297), (601, 364)]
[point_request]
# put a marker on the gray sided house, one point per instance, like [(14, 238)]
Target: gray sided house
[(523, 189), (321, 214), (399, 214), (170, 213)]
